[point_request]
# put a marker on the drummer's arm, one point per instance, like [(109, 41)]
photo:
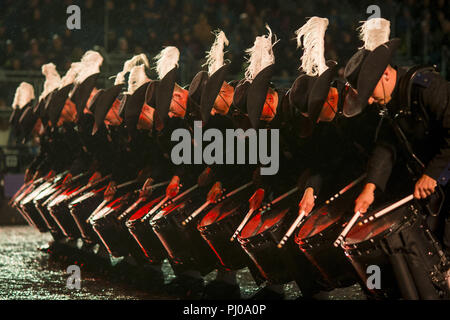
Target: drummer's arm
[(378, 172)]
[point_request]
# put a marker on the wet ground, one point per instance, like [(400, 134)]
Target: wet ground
[(27, 273)]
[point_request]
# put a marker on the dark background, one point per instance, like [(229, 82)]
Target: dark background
[(34, 32)]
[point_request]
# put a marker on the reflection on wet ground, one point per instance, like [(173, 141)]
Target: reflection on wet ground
[(27, 273)]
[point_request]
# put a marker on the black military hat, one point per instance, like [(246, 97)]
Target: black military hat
[(164, 92), (211, 90), (56, 103), (319, 91), (257, 93), (196, 88), (133, 106), (299, 93), (365, 68), (104, 102), (26, 123), (150, 94), (240, 96), (82, 93), (353, 66), (372, 69)]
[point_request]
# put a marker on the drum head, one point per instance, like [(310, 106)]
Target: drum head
[(319, 221), (169, 209), (220, 212), (145, 209), (363, 232), (262, 222)]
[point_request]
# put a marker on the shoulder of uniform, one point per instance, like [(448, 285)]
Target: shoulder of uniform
[(423, 78)]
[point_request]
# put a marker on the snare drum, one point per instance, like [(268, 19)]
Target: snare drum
[(399, 243), (59, 210), (81, 208), (185, 246), (316, 236), (111, 230), (139, 227), (219, 224), (260, 237), (39, 203), (28, 208)]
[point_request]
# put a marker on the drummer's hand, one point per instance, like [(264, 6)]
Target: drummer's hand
[(174, 187), (95, 176), (424, 187), (205, 177), (307, 202), (365, 198), (215, 192), (110, 191), (146, 188), (256, 199)]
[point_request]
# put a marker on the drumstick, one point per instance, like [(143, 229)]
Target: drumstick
[(76, 193), (283, 196), (104, 202), (153, 210), (389, 209), (346, 188), (347, 229), (126, 184), (243, 223), (141, 199), (207, 203), (238, 190), (196, 212), (291, 230), (178, 197)]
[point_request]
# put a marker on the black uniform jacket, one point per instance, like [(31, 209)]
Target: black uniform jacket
[(426, 126)]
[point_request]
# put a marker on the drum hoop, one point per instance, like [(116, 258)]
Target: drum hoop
[(265, 232), (374, 241), (219, 222), (315, 238)]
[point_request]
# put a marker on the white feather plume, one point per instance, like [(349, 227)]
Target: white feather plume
[(90, 64), (137, 78), (24, 94), (374, 32), (52, 79), (260, 55), (214, 57), (166, 60), (129, 64), (71, 74), (313, 34)]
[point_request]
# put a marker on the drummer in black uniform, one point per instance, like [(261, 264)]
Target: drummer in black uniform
[(414, 132)]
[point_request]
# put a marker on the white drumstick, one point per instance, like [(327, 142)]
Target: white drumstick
[(291, 230), (104, 202), (283, 196), (347, 229), (131, 208), (238, 189), (199, 210), (243, 223), (196, 213), (389, 209), (185, 193), (153, 210)]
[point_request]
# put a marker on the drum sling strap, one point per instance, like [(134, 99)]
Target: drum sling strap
[(434, 203)]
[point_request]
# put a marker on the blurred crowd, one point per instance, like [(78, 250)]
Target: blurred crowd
[(34, 32)]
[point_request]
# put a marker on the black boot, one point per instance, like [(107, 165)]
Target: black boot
[(185, 287)]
